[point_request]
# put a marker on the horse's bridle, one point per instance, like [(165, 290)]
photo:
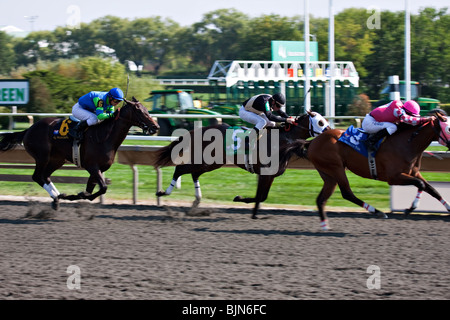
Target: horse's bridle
[(440, 134), (310, 128), (437, 131), (141, 124)]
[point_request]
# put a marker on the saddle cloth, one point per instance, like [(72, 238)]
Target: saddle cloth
[(354, 137), (235, 140), (63, 127)]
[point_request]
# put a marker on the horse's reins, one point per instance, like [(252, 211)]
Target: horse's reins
[(310, 128), (437, 131)]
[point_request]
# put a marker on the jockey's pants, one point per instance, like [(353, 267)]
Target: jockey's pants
[(260, 121), (82, 114), (370, 125)]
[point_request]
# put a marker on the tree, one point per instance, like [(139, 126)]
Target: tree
[(218, 36), (7, 56), (76, 42), (262, 30), (387, 56), (430, 57)]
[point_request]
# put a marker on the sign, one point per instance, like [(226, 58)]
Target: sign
[(14, 92), (294, 51)]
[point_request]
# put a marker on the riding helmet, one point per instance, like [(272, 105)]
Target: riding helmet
[(116, 93), (279, 99), (412, 108)]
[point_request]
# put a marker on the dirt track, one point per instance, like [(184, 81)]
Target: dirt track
[(147, 252)]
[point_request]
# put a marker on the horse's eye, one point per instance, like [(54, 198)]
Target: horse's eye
[(321, 123)]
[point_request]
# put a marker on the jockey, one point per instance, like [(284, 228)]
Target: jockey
[(93, 107), (381, 122), (258, 111)]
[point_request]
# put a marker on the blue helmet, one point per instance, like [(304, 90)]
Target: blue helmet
[(116, 93)]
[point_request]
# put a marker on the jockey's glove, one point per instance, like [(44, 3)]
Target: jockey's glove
[(104, 116)]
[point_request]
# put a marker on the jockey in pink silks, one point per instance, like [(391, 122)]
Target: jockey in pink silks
[(382, 121)]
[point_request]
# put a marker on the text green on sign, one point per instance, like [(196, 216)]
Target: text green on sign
[(294, 51), (14, 92)]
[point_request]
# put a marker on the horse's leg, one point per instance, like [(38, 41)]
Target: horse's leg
[(179, 171), (262, 192), (96, 177), (341, 179), (329, 185), (198, 190), (41, 176), (422, 185), (347, 194)]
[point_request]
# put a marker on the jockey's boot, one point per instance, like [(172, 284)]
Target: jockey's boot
[(374, 138), (78, 130)]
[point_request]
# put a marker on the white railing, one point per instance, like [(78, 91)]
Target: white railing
[(357, 119)]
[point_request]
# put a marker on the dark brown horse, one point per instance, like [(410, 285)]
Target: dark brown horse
[(97, 151), (397, 161), (198, 142)]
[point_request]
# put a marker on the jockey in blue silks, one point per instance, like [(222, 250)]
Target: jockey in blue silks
[(95, 106)]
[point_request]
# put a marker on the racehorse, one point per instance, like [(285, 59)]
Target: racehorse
[(308, 125), (397, 160), (51, 150)]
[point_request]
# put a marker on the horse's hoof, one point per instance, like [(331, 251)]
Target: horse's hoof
[(254, 216), (195, 203), (407, 212), (84, 195), (55, 204), (160, 193), (381, 215), (237, 199), (62, 196)]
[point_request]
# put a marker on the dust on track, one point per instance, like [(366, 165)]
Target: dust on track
[(148, 252)]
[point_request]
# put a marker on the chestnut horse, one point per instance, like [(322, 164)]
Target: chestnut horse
[(305, 126), (97, 151), (397, 160)]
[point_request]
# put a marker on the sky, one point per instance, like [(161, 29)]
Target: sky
[(32, 15)]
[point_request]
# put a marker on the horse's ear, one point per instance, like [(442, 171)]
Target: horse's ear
[(441, 117), (134, 99)]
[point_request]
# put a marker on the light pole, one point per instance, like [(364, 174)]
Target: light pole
[(31, 19)]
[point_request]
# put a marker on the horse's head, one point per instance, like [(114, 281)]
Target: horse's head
[(138, 115), (444, 124), (317, 123)]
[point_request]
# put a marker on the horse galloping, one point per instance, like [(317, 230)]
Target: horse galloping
[(97, 150), (397, 160), (305, 126)]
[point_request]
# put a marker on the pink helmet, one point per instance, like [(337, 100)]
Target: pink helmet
[(412, 107)]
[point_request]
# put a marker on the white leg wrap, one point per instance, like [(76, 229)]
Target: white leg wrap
[(324, 225), (368, 207), (170, 188), (416, 201), (447, 206), (198, 191), (51, 189)]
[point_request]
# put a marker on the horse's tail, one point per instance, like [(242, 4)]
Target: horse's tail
[(164, 155), (10, 140), (299, 148)]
